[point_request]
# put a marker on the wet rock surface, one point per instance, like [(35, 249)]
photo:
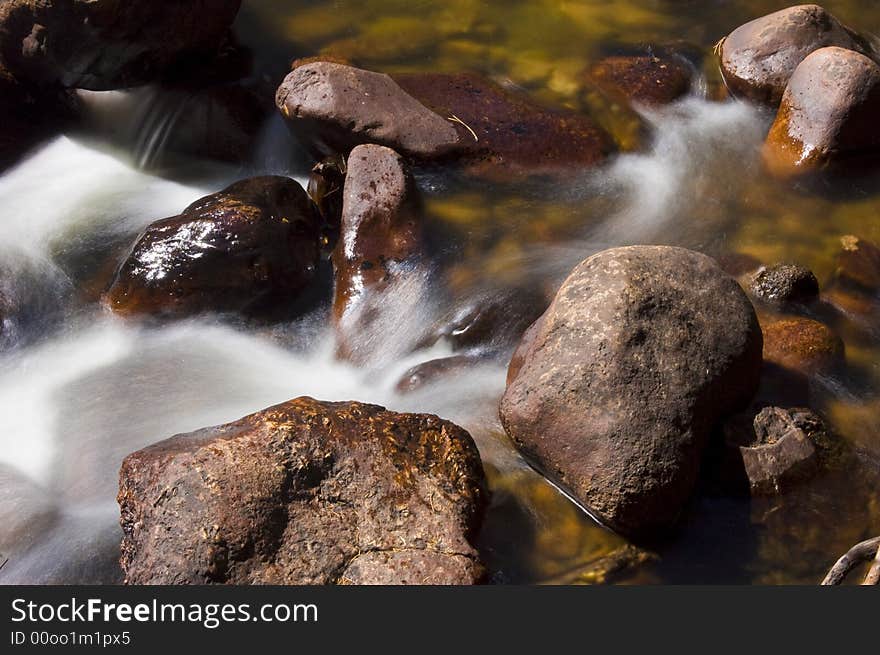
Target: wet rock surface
[(305, 492), (767, 453), (649, 80), (802, 344), (783, 284), (251, 248), (434, 117), (436, 370), (759, 58), (614, 391), (379, 260), (828, 114), (105, 44)]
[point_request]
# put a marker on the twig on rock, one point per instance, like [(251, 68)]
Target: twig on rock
[(858, 554)]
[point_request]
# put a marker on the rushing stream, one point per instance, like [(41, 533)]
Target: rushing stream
[(80, 389)]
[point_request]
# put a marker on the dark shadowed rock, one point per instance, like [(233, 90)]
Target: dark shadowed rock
[(107, 44), (759, 58), (436, 370), (380, 250), (305, 492), (615, 389), (802, 344), (782, 284), (325, 188), (28, 115), (491, 321), (828, 114), (435, 117), (767, 453), (649, 80), (249, 248)]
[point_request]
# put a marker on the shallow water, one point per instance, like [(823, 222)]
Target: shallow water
[(81, 389)]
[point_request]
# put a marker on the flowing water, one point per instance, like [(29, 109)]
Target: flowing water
[(80, 389)]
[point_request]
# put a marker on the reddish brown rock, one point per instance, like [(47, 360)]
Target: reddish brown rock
[(305, 492), (827, 116), (643, 79), (380, 250), (615, 389), (249, 248), (436, 117), (108, 44), (802, 344), (759, 58)]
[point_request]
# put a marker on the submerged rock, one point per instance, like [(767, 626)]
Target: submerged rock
[(380, 251), (858, 265), (767, 453), (828, 114), (783, 284), (106, 44), (492, 321), (759, 58), (436, 370), (436, 117), (251, 248), (614, 390), (802, 344), (305, 492), (649, 80)]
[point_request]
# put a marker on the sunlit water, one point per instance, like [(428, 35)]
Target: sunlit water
[(80, 389)]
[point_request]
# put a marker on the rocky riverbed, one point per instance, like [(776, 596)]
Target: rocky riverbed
[(483, 292)]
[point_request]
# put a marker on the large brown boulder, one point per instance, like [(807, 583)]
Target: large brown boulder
[(614, 390), (828, 114), (436, 117), (305, 492), (379, 261), (249, 248), (107, 44), (759, 58)]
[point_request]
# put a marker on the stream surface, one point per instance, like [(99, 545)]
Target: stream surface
[(80, 389)]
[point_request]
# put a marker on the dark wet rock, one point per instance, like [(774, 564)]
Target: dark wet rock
[(617, 386), (649, 80), (767, 453), (802, 344), (436, 370), (380, 250), (305, 492), (28, 115), (492, 321), (251, 248), (828, 114), (435, 117), (759, 58), (325, 188), (221, 122), (782, 284), (106, 44), (505, 133)]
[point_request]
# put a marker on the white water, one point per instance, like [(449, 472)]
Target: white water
[(74, 404)]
